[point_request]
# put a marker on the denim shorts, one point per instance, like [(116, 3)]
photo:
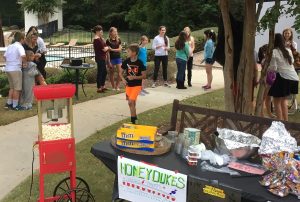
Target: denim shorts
[(209, 61), (116, 61)]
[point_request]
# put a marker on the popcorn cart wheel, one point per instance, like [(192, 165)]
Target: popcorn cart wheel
[(82, 190), (56, 143), (81, 196)]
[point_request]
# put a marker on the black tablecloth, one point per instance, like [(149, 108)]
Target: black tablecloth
[(251, 189)]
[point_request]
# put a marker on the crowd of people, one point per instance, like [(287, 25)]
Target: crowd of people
[(282, 79), (108, 57), (25, 66)]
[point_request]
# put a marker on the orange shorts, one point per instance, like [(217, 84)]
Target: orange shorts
[(133, 92)]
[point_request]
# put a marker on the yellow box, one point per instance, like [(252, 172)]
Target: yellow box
[(140, 133), (133, 144)]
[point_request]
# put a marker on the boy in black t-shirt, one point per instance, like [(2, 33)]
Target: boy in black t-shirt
[(135, 72)]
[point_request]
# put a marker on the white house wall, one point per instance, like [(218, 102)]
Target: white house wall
[(31, 19), (263, 38)]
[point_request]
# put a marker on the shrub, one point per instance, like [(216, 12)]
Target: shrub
[(4, 85), (91, 75), (172, 54), (172, 69), (53, 71)]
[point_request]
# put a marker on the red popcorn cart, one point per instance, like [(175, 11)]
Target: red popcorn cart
[(56, 143)]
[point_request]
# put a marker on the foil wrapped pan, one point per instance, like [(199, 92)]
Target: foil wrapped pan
[(235, 143), (277, 139)]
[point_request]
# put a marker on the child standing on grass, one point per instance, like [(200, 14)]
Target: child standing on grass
[(28, 81), (135, 73), (15, 59), (143, 58)]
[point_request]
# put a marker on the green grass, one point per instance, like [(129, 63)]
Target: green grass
[(9, 116), (91, 169)]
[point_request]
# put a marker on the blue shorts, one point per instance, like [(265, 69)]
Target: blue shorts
[(116, 61)]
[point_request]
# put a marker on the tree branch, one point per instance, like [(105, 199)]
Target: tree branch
[(259, 8)]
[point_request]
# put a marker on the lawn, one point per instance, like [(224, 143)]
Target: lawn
[(9, 116), (92, 170)]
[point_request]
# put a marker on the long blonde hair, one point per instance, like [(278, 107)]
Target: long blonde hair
[(291, 31), (110, 34), (188, 31), (29, 37)]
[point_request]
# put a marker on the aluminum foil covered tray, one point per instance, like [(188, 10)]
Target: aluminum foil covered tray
[(238, 144), (277, 139)]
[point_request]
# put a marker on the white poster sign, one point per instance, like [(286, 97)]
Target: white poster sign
[(141, 182)]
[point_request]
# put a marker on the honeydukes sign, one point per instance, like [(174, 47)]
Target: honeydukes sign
[(142, 182)]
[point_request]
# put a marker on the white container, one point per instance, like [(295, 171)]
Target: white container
[(193, 134)]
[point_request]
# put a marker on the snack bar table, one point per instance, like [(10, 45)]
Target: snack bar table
[(82, 67), (252, 191)]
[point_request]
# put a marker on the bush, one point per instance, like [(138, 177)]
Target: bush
[(172, 54), (172, 69), (53, 72), (91, 75), (4, 85), (63, 77)]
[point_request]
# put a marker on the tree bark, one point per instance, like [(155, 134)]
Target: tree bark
[(246, 67), (229, 50), (262, 87), (2, 43)]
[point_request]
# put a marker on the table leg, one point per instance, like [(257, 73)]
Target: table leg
[(82, 81), (76, 82)]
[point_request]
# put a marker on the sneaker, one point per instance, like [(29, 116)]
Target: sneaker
[(189, 84), (144, 91), (204, 86), (167, 85), (153, 85), (8, 106), (18, 108)]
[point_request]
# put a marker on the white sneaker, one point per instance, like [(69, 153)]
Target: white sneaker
[(153, 85), (145, 92), (142, 93), (167, 85)]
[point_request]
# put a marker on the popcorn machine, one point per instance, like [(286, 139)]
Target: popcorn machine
[(57, 143)]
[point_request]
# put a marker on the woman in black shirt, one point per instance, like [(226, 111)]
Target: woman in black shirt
[(115, 48)]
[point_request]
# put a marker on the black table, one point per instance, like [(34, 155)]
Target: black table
[(251, 189), (84, 68)]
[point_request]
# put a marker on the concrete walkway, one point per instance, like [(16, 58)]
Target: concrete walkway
[(16, 139)]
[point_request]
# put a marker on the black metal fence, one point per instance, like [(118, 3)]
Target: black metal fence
[(86, 36)]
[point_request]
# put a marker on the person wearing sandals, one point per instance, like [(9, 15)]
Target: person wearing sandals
[(100, 49), (161, 46), (115, 60), (209, 49), (286, 82), (142, 56), (191, 42)]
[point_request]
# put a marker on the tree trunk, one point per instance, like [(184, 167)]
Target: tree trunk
[(228, 66), (246, 67), (262, 87), (2, 43)]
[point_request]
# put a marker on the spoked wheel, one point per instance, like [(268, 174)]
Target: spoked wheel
[(81, 195), (82, 190)]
